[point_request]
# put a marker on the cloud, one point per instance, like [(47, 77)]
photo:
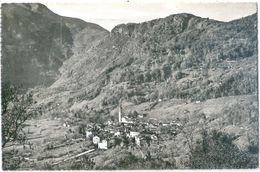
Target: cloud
[(113, 12)]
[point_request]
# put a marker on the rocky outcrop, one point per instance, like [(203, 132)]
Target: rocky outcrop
[(182, 56)]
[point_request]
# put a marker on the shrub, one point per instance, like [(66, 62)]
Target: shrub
[(82, 163), (131, 161), (11, 160), (14, 113), (216, 151)]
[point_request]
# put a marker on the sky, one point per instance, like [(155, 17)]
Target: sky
[(109, 13)]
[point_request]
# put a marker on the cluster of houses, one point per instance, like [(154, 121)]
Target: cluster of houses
[(133, 132)]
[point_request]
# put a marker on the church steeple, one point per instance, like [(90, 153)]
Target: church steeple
[(120, 112)]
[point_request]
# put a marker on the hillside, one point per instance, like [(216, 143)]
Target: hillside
[(194, 73), (36, 42), (181, 56)]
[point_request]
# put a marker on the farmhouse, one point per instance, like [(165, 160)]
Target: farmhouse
[(96, 140), (102, 145)]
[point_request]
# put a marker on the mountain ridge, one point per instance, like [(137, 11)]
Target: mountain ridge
[(140, 69), (34, 28), (198, 73)]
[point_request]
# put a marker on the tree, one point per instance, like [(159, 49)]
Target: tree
[(189, 133), (216, 151), (167, 71), (133, 162), (14, 113), (82, 163)]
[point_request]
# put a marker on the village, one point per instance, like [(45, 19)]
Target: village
[(131, 130)]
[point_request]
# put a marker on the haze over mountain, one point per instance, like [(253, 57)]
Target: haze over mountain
[(36, 42), (110, 13), (185, 68)]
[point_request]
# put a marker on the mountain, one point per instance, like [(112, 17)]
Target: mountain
[(36, 42), (180, 56), (199, 72), (195, 66)]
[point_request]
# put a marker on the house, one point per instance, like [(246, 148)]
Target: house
[(125, 121), (102, 145), (197, 102), (134, 134), (96, 140), (154, 137), (109, 123), (88, 134), (128, 135), (65, 124), (117, 133), (137, 141), (178, 124), (140, 116)]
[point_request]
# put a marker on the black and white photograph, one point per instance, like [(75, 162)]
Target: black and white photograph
[(129, 85)]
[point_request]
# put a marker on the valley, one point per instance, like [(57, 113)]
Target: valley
[(161, 94)]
